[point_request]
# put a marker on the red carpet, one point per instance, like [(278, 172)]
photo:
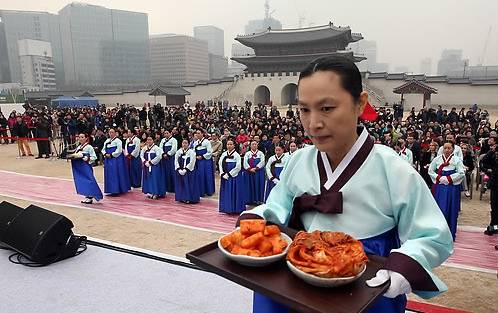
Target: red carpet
[(414, 306)]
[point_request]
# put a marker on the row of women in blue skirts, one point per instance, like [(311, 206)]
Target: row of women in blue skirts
[(188, 172)]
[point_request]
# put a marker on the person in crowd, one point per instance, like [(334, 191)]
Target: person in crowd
[(21, 131), (457, 150), (447, 173), (116, 177), (153, 182), (169, 144), (133, 159), (274, 167), (186, 185), (4, 126), (426, 160), (254, 175), (403, 151), (468, 164), (232, 183), (216, 146), (84, 180), (98, 145), (489, 165), (204, 165)]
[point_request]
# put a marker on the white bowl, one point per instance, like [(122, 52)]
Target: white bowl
[(256, 261), (323, 282)]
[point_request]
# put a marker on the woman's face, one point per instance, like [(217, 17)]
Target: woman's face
[(230, 145), (328, 112), (150, 141), (293, 147), (447, 149), (432, 146)]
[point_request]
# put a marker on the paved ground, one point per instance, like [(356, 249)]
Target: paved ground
[(470, 290)]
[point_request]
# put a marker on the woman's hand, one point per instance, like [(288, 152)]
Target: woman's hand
[(399, 284)]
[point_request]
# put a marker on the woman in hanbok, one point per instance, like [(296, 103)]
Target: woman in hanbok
[(169, 144), (132, 158), (274, 167), (403, 151), (116, 177), (204, 167), (346, 183), (84, 180), (232, 183), (292, 148), (186, 184), (153, 182), (254, 175), (447, 173)]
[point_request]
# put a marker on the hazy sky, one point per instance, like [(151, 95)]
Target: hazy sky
[(405, 31)]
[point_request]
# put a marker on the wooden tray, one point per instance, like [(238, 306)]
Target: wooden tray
[(277, 281)]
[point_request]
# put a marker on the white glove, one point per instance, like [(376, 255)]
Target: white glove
[(276, 181), (86, 158), (182, 172), (399, 284), (225, 176), (443, 180)]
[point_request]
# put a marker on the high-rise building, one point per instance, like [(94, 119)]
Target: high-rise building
[(214, 36), (178, 59), (18, 25), (218, 66), (451, 60), (37, 66), (104, 47), (368, 49), (426, 66)]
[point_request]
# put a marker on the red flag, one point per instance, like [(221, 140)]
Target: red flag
[(369, 113)]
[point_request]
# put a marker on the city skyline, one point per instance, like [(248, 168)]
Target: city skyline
[(406, 44)]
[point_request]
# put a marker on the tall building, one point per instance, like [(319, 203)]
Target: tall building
[(368, 49), (401, 69), (214, 36), (104, 47), (451, 60), (37, 65), (426, 66), (178, 59), (18, 25), (218, 66)]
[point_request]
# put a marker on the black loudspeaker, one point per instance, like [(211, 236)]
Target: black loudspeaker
[(40, 235), (8, 212)]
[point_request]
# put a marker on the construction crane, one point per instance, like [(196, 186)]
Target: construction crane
[(483, 55), (268, 13)]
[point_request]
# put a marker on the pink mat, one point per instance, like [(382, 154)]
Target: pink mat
[(61, 191)]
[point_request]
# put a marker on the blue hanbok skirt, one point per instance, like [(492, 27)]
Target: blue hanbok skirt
[(204, 171), (186, 187), (379, 245), (168, 168), (134, 166), (84, 180), (448, 198), (116, 177), (232, 193), (153, 181), (254, 185), (270, 184)]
